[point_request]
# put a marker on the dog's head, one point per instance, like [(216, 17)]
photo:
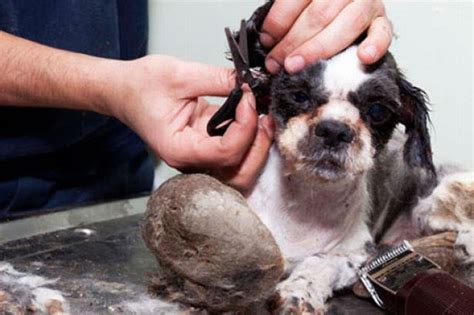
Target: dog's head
[(335, 116)]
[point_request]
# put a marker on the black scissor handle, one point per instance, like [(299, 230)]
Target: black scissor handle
[(222, 119)]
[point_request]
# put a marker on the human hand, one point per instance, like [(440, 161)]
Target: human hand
[(304, 31), (163, 103)]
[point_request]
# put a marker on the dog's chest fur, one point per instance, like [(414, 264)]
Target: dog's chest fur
[(306, 218)]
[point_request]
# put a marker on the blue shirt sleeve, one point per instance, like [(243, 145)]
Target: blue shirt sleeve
[(44, 138)]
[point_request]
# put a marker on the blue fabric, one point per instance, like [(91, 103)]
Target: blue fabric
[(52, 157)]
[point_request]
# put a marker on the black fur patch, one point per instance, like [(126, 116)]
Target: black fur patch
[(284, 86)]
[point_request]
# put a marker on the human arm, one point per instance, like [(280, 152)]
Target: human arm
[(158, 97), (40, 76)]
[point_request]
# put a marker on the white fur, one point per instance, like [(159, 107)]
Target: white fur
[(34, 281), (359, 159), (296, 130), (339, 110), (320, 231), (306, 219), (144, 305), (344, 73), (313, 280), (31, 289), (428, 211), (43, 297), (450, 207), (465, 244)]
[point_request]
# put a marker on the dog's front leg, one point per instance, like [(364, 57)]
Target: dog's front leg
[(313, 281)]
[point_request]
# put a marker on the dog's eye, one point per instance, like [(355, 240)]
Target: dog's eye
[(378, 113), (300, 97)]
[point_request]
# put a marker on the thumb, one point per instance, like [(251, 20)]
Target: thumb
[(208, 80)]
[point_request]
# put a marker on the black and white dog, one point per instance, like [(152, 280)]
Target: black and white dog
[(342, 176)]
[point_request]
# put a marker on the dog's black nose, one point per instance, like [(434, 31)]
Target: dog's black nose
[(334, 133)]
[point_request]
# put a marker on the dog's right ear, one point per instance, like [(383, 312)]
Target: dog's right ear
[(415, 117), (257, 52)]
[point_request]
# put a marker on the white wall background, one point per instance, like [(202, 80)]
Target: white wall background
[(434, 47)]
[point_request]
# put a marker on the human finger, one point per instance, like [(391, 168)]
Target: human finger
[(199, 79), (229, 149), (280, 19), (255, 159), (379, 38), (312, 20), (352, 21)]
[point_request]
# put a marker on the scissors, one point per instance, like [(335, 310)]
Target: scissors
[(221, 120)]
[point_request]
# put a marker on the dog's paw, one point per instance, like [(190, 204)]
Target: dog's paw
[(449, 207), (293, 305), (295, 298), (464, 246)]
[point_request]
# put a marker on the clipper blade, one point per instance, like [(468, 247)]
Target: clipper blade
[(388, 272)]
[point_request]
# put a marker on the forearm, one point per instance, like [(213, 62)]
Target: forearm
[(40, 76)]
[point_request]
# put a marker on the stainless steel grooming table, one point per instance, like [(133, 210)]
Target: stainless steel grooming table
[(98, 256)]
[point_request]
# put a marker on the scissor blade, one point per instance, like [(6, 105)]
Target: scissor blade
[(243, 43), (241, 67)]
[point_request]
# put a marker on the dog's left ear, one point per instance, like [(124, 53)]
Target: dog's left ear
[(415, 117)]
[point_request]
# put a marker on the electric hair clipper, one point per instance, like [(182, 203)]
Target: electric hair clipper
[(403, 281)]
